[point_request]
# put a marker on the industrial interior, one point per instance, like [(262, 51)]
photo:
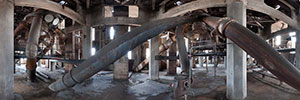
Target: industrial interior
[(149, 50)]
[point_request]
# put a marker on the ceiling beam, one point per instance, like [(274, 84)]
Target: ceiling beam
[(52, 6), (255, 5)]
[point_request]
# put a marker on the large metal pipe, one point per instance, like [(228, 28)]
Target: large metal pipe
[(183, 54), (32, 46), (115, 50), (257, 48)]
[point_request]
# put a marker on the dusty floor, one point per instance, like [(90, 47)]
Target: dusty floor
[(102, 87)]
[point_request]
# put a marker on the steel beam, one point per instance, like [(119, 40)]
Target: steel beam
[(115, 50)]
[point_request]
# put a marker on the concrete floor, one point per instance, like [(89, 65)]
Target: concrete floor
[(102, 87)]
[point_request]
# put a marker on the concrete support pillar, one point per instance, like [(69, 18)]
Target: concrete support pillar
[(121, 66), (297, 56), (154, 64), (236, 57), (200, 61), (137, 55), (6, 49), (86, 42), (69, 51), (172, 63)]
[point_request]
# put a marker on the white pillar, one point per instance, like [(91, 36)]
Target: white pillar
[(6, 49), (121, 65), (236, 57), (154, 64)]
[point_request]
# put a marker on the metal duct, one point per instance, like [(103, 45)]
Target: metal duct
[(115, 50), (32, 46)]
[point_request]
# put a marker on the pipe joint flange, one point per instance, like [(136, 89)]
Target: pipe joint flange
[(63, 80), (73, 77), (222, 25)]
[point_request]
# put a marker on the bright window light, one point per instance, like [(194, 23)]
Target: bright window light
[(111, 33), (277, 7), (93, 51), (294, 42), (186, 44), (129, 28), (129, 55), (147, 53), (93, 33), (277, 40), (292, 33)]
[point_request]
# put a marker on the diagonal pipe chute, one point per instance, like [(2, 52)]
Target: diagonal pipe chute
[(32, 45), (257, 48), (116, 49)]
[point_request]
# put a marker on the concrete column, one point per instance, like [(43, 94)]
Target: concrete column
[(86, 42), (69, 51), (236, 57), (172, 63), (137, 54), (297, 55), (154, 64), (121, 66), (6, 49), (200, 61)]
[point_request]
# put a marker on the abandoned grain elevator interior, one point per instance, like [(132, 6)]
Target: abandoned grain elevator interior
[(149, 50)]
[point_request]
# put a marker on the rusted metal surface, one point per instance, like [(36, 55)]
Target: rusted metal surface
[(21, 27), (115, 50), (61, 37), (48, 45), (180, 88), (259, 49), (31, 68)]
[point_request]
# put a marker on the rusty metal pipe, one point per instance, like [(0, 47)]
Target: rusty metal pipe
[(115, 50), (32, 46), (257, 48), (48, 45)]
